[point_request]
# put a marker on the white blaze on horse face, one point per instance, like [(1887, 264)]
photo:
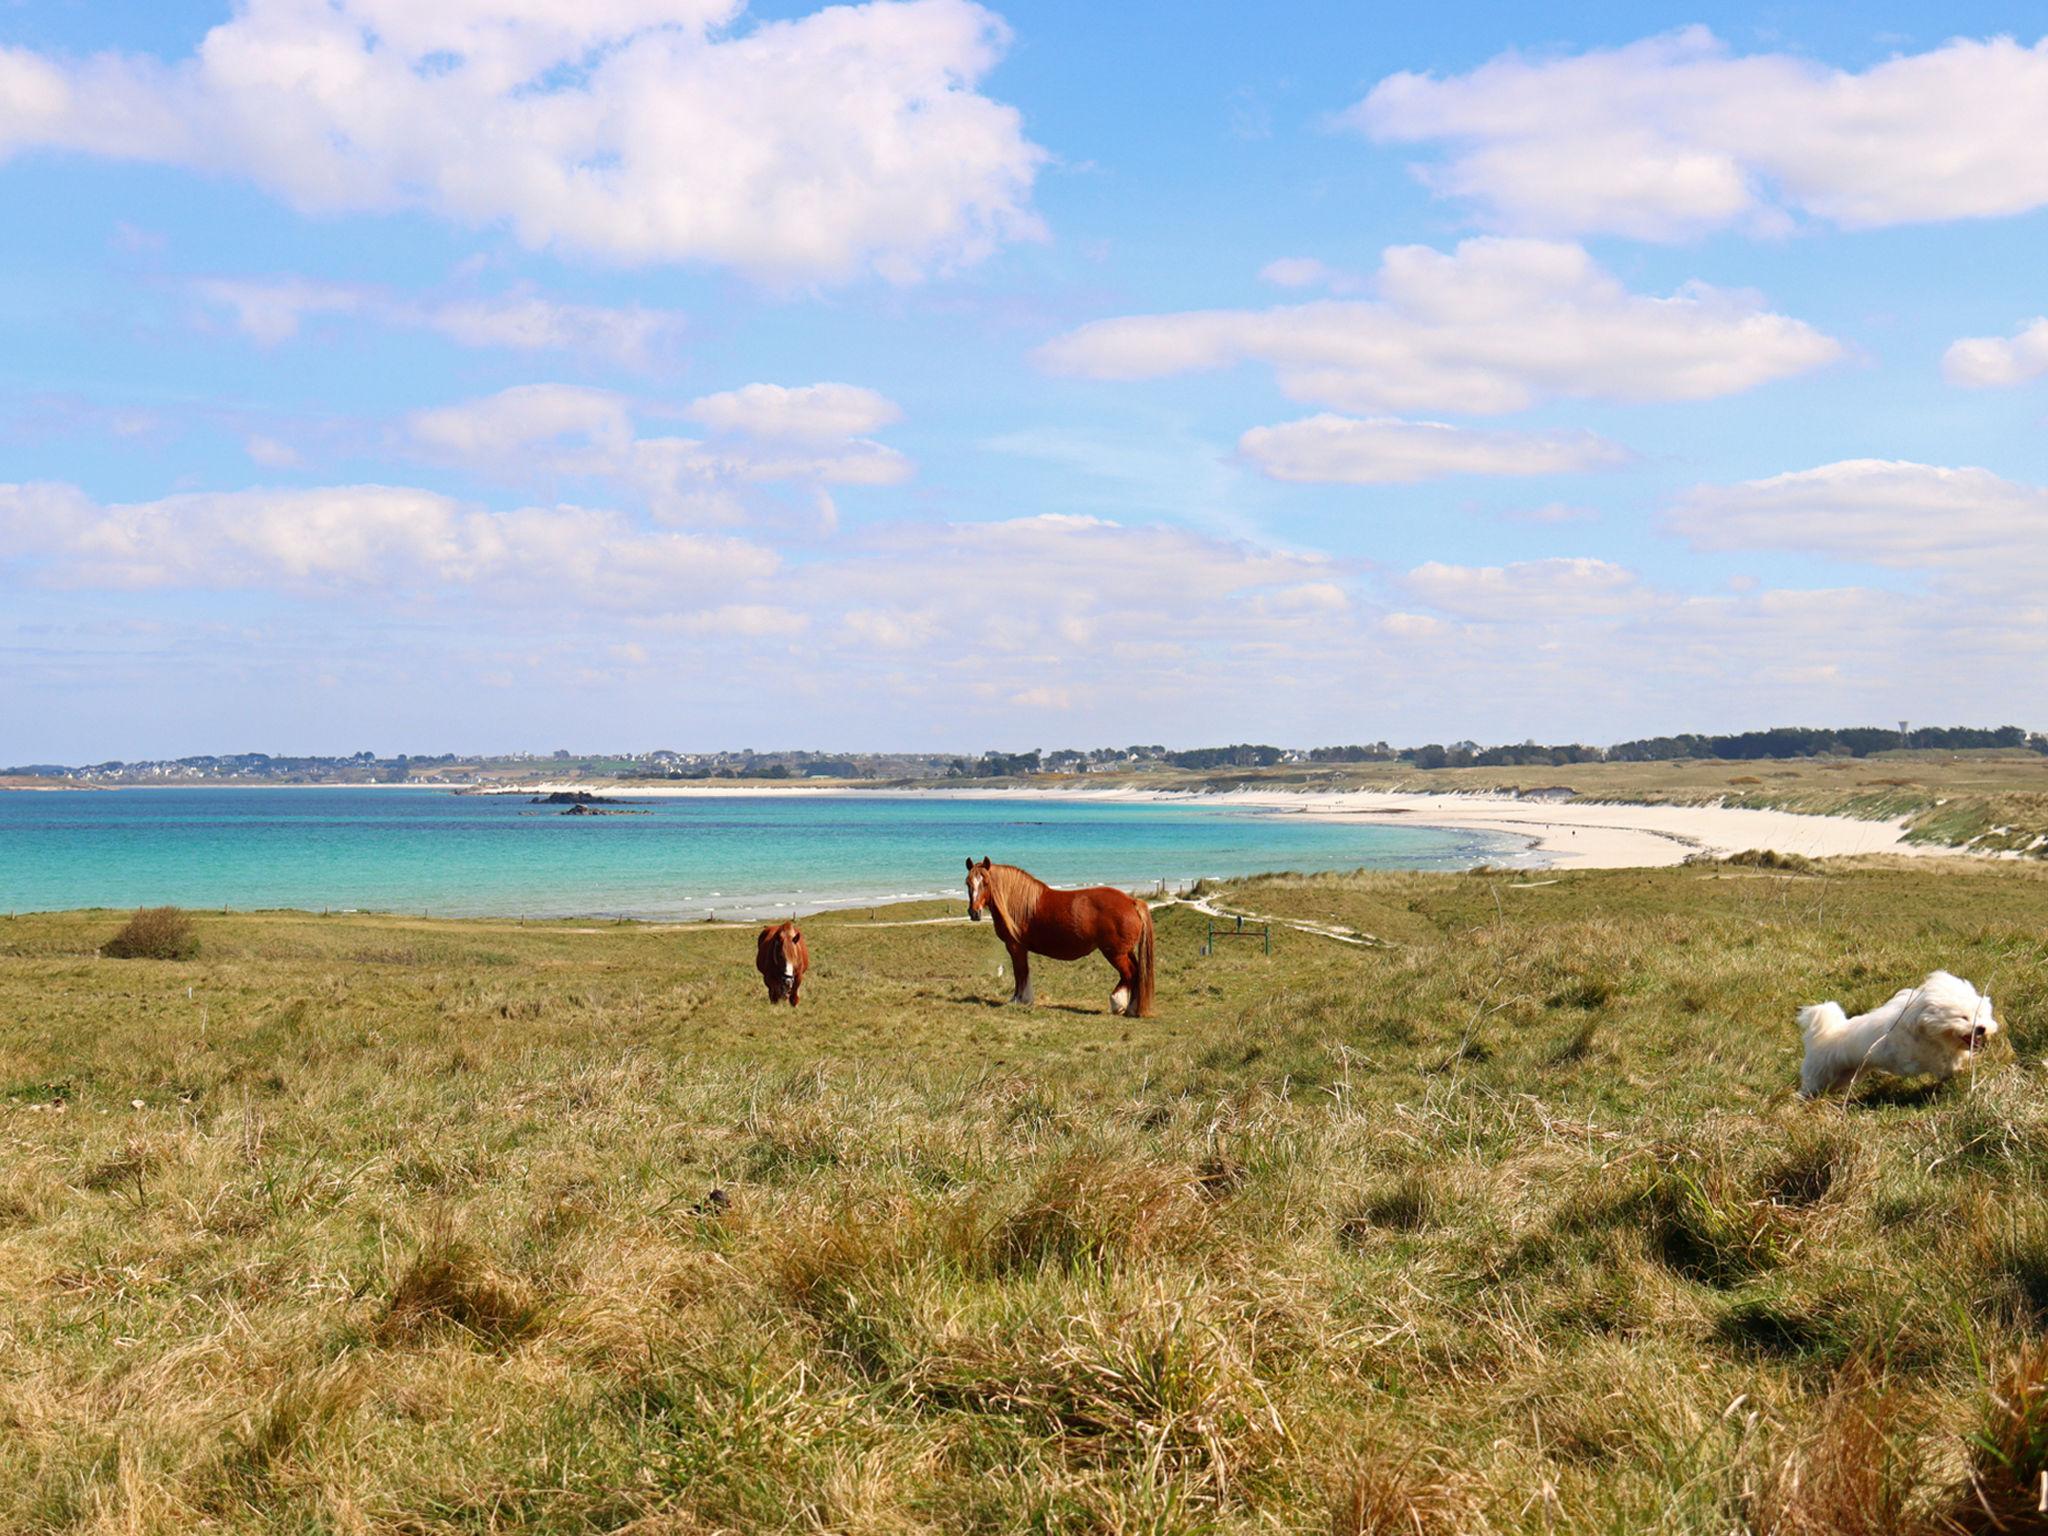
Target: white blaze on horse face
[(975, 894)]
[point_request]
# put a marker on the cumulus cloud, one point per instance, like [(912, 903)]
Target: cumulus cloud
[(854, 138), (1992, 362), (811, 413), (1675, 135), (1530, 589), (543, 432), (1385, 451), (271, 453), (990, 612), (1879, 512), (1295, 272), (1494, 326), (275, 310), (366, 537)]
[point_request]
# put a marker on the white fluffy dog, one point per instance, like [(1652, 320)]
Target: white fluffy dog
[(1931, 1030)]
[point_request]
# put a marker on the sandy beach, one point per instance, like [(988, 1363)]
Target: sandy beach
[(1580, 834)]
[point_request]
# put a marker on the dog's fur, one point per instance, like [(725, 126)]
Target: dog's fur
[(1931, 1030)]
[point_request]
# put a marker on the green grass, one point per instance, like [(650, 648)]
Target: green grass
[(1511, 1223)]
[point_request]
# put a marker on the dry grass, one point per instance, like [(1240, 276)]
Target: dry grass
[(1514, 1225)]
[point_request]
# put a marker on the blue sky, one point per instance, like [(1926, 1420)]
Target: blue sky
[(511, 374)]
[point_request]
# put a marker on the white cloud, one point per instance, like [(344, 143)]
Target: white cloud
[(1308, 597), (1042, 697), (271, 453), (1413, 626), (275, 310), (1531, 589), (1495, 326), (1991, 362), (367, 538), (811, 413), (539, 432), (1880, 512), (505, 428), (1295, 272), (1065, 602), (1675, 135), (854, 138), (1552, 512), (1384, 451)]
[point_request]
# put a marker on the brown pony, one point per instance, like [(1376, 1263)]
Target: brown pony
[(782, 957), (1034, 919)]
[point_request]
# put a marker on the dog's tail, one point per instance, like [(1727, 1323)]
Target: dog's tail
[(1818, 1019), (1817, 1022)]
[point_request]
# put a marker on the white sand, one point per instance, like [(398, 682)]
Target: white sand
[(1564, 834)]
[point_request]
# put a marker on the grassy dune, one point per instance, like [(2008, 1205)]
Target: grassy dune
[(1508, 1222), (1988, 801)]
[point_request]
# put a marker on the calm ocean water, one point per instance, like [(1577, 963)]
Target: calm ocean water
[(417, 850)]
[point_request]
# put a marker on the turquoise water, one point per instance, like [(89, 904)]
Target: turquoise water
[(419, 850)]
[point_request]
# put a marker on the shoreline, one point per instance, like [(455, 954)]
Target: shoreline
[(1561, 834)]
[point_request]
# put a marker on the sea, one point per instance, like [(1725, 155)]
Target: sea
[(680, 858)]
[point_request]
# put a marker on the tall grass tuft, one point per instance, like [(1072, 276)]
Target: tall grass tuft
[(1853, 1470), (154, 933), (2008, 1482), (449, 1283), (1380, 1496), (1093, 1211)]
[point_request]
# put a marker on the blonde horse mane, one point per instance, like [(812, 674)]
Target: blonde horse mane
[(1014, 893)]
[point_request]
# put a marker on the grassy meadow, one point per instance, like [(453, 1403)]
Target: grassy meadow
[(1507, 1221)]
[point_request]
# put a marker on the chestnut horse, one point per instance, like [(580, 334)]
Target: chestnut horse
[(1034, 919), (782, 957)]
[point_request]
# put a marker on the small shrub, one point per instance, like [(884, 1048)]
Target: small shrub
[(1770, 858), (154, 933)]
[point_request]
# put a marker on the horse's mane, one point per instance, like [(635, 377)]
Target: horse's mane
[(1014, 892)]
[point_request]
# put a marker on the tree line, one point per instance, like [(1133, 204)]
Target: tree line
[(1741, 746)]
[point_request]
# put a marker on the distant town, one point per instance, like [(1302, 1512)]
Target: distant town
[(456, 771)]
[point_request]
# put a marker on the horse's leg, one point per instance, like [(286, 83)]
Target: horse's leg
[(1020, 962), (794, 988), (1126, 964)]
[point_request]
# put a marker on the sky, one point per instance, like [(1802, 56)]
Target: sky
[(626, 374)]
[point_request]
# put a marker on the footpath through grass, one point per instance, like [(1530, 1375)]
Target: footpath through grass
[(1511, 1224)]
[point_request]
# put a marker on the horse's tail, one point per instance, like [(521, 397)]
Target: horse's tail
[(1142, 1005)]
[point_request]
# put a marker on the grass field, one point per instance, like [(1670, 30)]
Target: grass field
[(1508, 1222)]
